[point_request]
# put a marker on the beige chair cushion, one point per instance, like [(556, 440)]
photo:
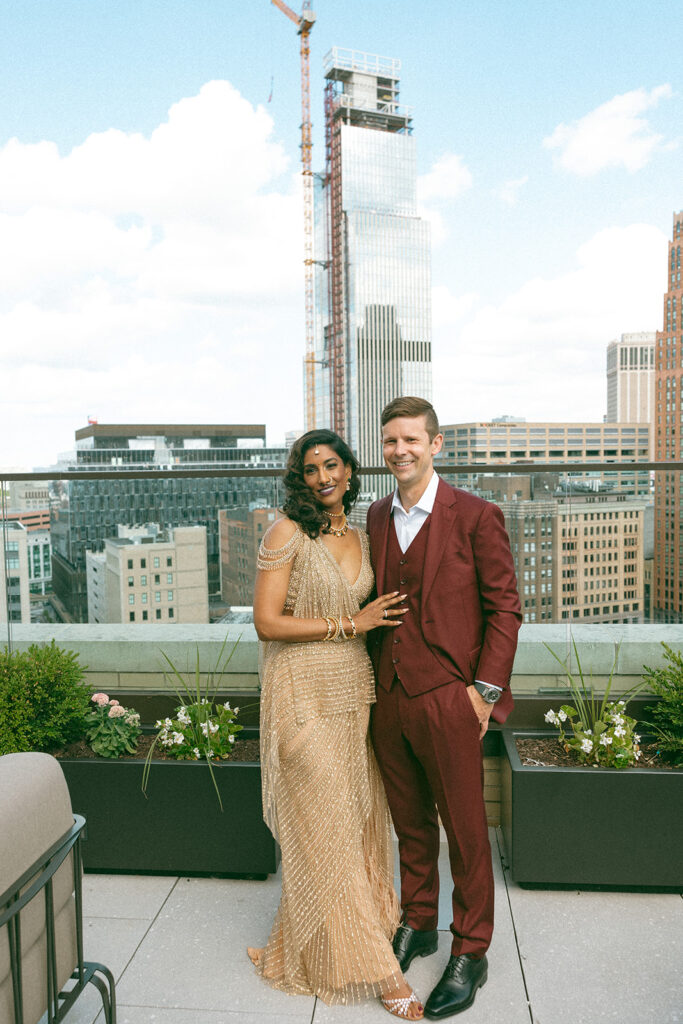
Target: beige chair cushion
[(35, 811)]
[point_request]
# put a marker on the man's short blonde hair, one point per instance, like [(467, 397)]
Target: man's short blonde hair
[(409, 406)]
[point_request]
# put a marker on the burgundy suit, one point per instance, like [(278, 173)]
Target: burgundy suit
[(462, 624)]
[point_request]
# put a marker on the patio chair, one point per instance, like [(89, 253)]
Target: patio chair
[(42, 971)]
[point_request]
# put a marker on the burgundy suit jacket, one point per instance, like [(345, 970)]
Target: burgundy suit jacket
[(470, 606)]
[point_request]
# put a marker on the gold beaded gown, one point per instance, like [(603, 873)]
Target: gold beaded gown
[(323, 797)]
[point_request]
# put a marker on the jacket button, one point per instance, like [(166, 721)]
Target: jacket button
[(395, 661), (403, 583), (403, 561), (397, 640)]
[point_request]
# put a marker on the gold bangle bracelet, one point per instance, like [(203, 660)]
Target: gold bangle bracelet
[(330, 627), (343, 635), (354, 634)]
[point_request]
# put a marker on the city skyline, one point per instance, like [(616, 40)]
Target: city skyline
[(151, 243)]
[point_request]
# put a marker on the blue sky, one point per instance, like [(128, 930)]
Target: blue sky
[(150, 221)]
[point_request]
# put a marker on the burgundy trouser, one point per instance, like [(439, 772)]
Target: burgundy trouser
[(430, 755)]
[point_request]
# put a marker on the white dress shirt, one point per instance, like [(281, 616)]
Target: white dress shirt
[(408, 524)]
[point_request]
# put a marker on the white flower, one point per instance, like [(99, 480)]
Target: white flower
[(236, 710), (227, 705), (589, 732), (551, 717), (178, 738), (586, 746), (620, 731), (636, 737), (196, 752), (638, 754), (618, 719), (183, 716), (622, 703), (562, 715), (605, 740), (168, 724), (158, 724), (213, 727), (205, 728), (231, 739)]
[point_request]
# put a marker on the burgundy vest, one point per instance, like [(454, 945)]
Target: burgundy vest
[(404, 652)]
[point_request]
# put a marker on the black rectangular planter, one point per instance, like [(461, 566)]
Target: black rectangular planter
[(591, 826), (178, 828)]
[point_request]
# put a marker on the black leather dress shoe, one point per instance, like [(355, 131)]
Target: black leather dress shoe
[(410, 942), (458, 986)]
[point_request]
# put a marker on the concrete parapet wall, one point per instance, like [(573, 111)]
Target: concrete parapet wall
[(130, 658)]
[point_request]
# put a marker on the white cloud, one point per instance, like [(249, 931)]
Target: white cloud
[(540, 353), (509, 191), (150, 278), (612, 135), (447, 180)]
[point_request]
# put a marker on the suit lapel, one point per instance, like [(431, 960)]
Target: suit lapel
[(380, 542), (442, 521)]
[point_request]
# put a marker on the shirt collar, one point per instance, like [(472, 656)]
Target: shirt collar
[(426, 502)]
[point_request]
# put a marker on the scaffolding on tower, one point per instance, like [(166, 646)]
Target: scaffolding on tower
[(304, 23)]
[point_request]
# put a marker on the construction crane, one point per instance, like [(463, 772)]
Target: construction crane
[(304, 23)]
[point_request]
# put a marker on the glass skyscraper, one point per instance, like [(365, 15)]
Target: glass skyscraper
[(373, 269)]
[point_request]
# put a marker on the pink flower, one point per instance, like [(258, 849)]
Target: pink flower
[(113, 703), (100, 698), (116, 711)]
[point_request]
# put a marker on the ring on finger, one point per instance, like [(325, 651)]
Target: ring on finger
[(386, 613)]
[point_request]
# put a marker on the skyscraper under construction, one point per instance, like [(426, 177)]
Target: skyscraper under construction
[(372, 251)]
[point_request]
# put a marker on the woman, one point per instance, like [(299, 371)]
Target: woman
[(322, 794)]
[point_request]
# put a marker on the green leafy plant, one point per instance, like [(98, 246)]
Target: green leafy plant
[(667, 683), (200, 728), (599, 732), (110, 729), (43, 699)]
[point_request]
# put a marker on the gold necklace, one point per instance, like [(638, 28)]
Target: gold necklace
[(340, 531)]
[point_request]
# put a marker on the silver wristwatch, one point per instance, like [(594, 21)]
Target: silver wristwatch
[(490, 693)]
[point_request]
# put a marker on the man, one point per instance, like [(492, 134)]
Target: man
[(440, 675)]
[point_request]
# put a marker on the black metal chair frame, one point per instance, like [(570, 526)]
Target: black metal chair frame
[(13, 902)]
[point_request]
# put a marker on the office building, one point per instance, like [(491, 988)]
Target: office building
[(150, 575), (372, 288), (14, 573), (516, 441), (579, 558), (241, 531), (83, 513), (631, 378), (667, 597)]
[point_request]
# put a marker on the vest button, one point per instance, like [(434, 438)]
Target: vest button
[(403, 561), (397, 640), (403, 583), (395, 661)]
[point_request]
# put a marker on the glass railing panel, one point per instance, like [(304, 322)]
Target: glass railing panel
[(592, 544)]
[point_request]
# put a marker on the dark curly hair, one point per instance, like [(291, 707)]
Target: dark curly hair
[(300, 503)]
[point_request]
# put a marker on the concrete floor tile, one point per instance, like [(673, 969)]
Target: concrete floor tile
[(138, 896), (599, 956), (108, 941), (194, 954), (151, 1015)]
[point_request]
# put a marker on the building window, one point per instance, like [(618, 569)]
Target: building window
[(131, 581), (131, 599), (157, 561), (169, 561), (158, 613), (145, 616), (170, 595), (157, 596), (130, 563), (169, 577), (131, 616), (170, 613), (157, 578), (143, 581), (144, 598), (143, 563)]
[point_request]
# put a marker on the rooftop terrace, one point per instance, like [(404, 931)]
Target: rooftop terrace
[(177, 948)]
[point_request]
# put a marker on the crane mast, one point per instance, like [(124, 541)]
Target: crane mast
[(304, 23)]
